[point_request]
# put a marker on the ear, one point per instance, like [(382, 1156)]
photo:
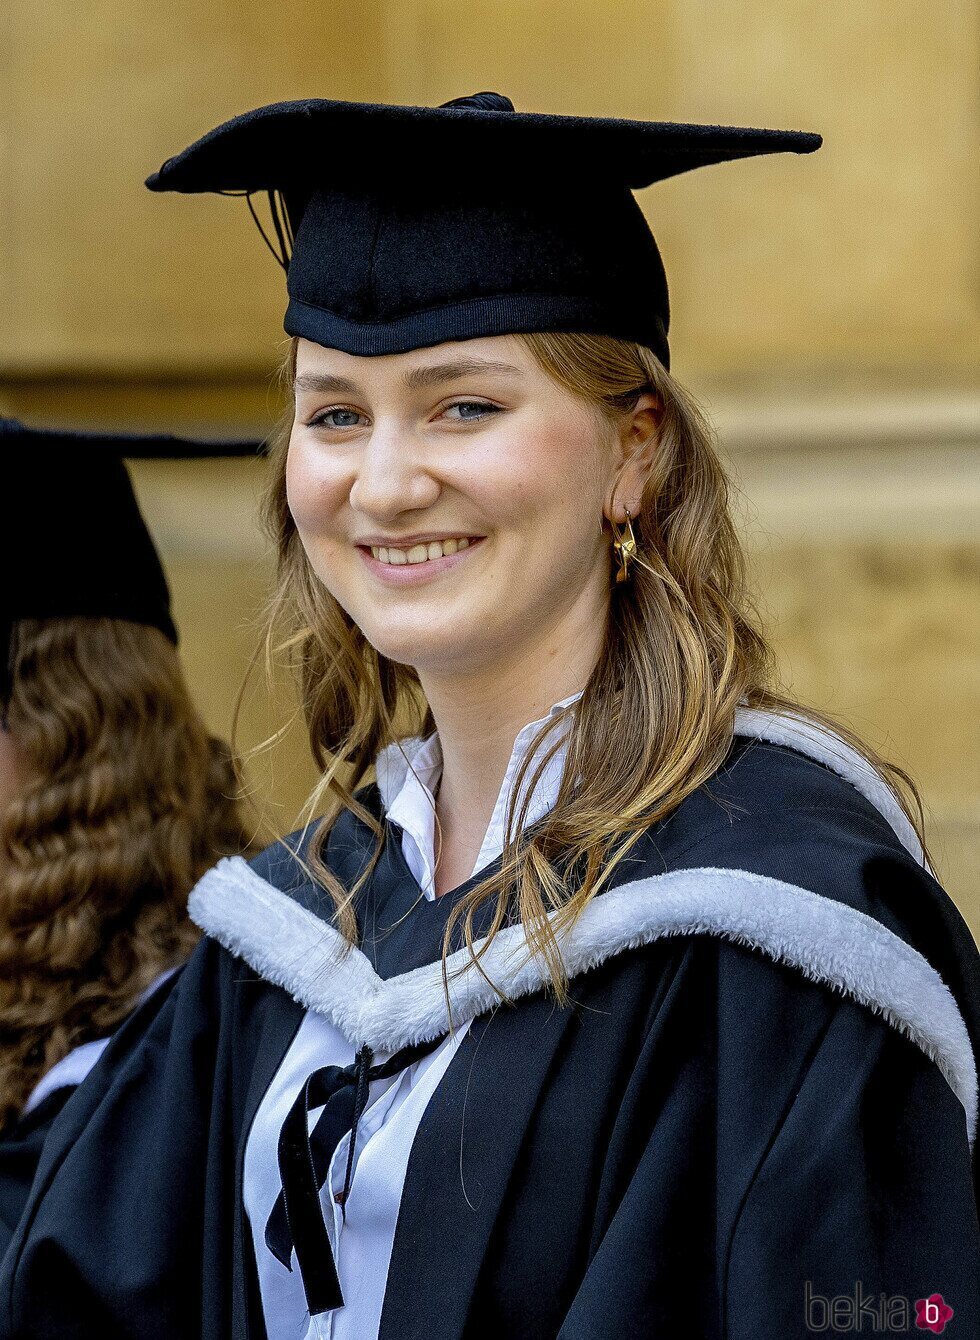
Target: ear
[(639, 437)]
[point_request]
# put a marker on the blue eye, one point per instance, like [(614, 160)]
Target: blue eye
[(326, 418), (321, 420), (473, 404)]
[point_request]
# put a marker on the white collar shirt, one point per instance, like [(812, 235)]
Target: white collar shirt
[(409, 771), (407, 775)]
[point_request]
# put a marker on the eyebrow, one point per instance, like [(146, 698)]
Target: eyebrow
[(418, 378)]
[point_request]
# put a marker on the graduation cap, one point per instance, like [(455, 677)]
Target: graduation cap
[(401, 227), (74, 542)]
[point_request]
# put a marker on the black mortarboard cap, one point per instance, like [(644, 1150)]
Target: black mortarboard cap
[(408, 226), (74, 542)]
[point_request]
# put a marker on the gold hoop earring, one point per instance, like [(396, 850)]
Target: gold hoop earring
[(624, 547)]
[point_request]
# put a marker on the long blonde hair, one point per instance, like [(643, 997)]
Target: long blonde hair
[(124, 802), (683, 649)]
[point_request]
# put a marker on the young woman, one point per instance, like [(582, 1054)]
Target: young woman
[(113, 797), (622, 1001)]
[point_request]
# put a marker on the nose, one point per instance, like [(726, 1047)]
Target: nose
[(392, 477)]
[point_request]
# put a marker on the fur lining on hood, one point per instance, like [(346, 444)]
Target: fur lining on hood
[(828, 941)]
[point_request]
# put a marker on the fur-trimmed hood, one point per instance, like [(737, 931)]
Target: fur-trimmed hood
[(795, 849)]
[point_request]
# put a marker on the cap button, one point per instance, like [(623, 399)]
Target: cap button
[(484, 102)]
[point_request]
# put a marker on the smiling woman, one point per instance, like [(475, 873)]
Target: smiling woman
[(507, 479), (579, 430), (606, 992)]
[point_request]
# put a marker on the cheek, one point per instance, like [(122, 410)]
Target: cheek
[(548, 476), (315, 488)]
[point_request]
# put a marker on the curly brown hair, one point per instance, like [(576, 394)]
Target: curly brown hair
[(124, 801)]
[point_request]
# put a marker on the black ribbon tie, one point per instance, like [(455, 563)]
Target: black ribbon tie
[(297, 1221)]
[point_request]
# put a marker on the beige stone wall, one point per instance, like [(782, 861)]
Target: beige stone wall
[(99, 276), (867, 569), (866, 252), (827, 308)]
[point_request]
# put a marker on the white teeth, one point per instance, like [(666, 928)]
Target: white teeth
[(419, 553)]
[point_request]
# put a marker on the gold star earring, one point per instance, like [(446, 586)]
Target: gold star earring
[(624, 546)]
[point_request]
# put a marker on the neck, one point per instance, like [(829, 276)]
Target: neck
[(478, 717)]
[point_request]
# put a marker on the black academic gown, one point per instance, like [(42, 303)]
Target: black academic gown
[(20, 1152), (716, 1139), (21, 1145)]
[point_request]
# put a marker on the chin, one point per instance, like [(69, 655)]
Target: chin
[(440, 650)]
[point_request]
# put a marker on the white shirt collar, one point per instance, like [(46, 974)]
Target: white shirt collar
[(407, 773)]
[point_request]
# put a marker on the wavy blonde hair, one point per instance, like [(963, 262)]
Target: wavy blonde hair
[(123, 803), (683, 649)]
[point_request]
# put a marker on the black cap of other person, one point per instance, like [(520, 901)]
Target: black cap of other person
[(74, 542), (402, 227)]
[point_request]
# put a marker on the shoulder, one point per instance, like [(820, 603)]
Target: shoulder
[(781, 854), (349, 846), (777, 813), (782, 833), (774, 789), (282, 862), (773, 820), (279, 876)]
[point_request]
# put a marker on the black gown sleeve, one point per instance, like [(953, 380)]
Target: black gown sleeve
[(20, 1153), (862, 1198), (864, 1202), (22, 1145), (113, 1237), (861, 1191)]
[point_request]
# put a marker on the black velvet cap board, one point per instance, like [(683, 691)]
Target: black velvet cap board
[(74, 542), (402, 227)]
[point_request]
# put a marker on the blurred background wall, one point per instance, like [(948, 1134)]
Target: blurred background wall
[(826, 309)]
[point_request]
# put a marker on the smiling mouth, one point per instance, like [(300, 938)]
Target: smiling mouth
[(419, 553)]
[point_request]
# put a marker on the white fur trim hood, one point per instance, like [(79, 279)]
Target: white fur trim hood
[(827, 941)]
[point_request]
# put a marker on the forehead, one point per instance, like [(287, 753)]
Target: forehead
[(497, 356)]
